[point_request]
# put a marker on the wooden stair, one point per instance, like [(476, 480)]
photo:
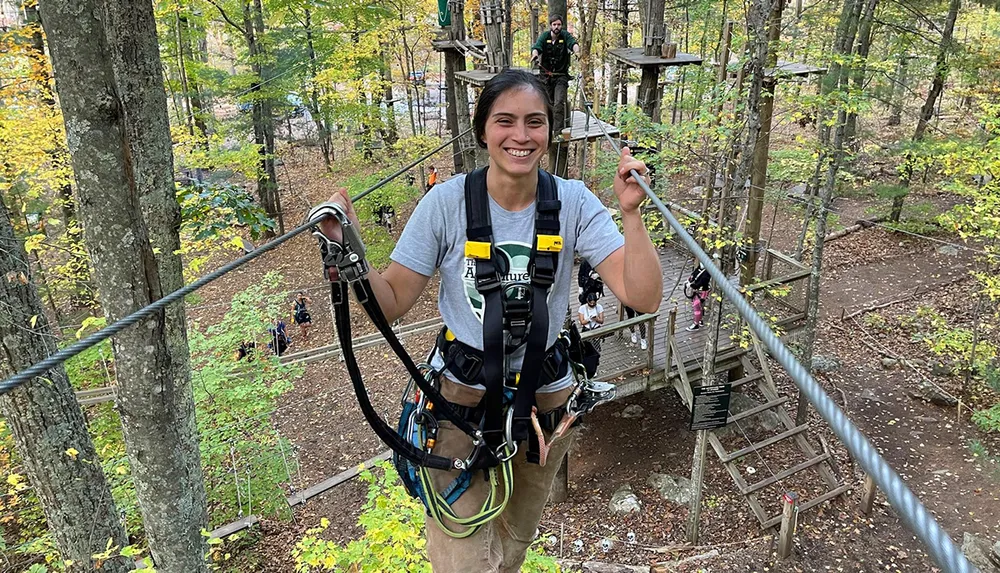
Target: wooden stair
[(760, 379)]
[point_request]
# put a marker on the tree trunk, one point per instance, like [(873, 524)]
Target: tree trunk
[(267, 117), (391, 135), (40, 70), (834, 160), (508, 32), (46, 422), (758, 174), (184, 54), (263, 123), (757, 22), (715, 156), (113, 166), (322, 131), (940, 75), (898, 90), (557, 8), (653, 34), (847, 29), (588, 22), (864, 45)]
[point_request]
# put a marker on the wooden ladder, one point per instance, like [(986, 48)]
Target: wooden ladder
[(762, 380)]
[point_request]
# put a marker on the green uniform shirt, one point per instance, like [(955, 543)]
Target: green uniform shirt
[(555, 52)]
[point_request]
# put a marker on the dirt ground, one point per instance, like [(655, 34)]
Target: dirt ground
[(927, 444)]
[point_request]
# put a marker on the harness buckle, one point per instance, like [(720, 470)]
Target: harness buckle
[(343, 260), (543, 275)]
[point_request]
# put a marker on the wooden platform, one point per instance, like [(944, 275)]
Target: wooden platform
[(478, 78), (634, 58), (676, 264), (459, 46), (792, 69), (581, 131)]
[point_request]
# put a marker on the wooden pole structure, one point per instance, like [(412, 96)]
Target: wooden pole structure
[(868, 495), (456, 95), (697, 483), (492, 15), (671, 325), (789, 519), (653, 33)]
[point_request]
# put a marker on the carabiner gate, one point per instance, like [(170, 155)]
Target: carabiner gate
[(344, 260)]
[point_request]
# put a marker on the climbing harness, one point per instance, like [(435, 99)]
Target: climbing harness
[(515, 316)]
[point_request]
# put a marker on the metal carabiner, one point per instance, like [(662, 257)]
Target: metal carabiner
[(508, 439), (346, 256)]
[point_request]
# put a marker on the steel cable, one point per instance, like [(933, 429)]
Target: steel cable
[(909, 508), (79, 346)]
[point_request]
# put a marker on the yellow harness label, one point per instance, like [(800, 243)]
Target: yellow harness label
[(549, 243), (477, 250)]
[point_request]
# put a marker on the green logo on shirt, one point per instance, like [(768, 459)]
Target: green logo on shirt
[(515, 257)]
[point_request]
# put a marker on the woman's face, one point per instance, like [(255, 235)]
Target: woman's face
[(517, 131)]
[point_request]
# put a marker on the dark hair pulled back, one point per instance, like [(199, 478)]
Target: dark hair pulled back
[(500, 84)]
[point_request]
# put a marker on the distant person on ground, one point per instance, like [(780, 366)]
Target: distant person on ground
[(279, 337), (301, 316), (696, 289), (591, 317), (432, 179), (551, 51), (245, 350)]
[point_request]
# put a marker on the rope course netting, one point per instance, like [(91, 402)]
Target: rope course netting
[(909, 508)]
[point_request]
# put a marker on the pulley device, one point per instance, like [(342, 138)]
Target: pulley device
[(515, 315)]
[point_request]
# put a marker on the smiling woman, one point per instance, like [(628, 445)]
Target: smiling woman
[(510, 228)]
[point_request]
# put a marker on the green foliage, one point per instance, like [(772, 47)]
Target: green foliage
[(876, 321), (790, 165), (988, 419), (378, 242), (234, 402), (216, 211), (393, 538)]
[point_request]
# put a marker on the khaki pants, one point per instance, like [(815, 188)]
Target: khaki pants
[(501, 544)]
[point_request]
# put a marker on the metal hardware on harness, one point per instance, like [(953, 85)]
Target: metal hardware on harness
[(508, 438), (344, 260), (516, 314), (588, 395)]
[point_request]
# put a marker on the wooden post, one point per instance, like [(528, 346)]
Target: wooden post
[(456, 94), (868, 495), (789, 520), (697, 482), (492, 16), (650, 337), (560, 487), (671, 324)]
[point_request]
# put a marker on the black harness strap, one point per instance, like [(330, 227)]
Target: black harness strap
[(338, 295), (542, 270), (479, 229)]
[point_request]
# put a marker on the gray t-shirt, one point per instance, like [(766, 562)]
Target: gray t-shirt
[(434, 238)]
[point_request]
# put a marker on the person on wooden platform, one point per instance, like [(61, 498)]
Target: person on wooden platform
[(502, 239), (552, 51)]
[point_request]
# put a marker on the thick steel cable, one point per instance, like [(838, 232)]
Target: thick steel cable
[(909, 508), (149, 310)]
